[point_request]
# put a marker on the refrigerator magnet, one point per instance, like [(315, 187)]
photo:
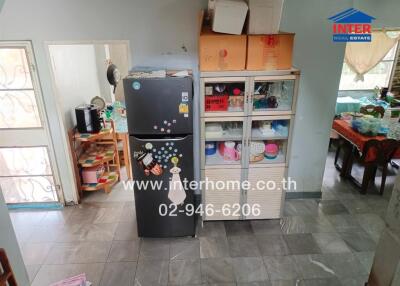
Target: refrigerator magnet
[(185, 96), (183, 108)]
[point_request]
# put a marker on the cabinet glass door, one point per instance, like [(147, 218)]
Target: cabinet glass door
[(273, 96), (223, 142), (224, 97), (269, 140)]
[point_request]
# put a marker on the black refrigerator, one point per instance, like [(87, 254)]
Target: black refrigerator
[(160, 126)]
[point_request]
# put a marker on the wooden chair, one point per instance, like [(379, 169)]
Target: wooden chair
[(376, 153), (373, 110), (6, 274)]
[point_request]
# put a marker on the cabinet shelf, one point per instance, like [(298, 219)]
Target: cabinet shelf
[(280, 159), (218, 159), (223, 138), (256, 134), (261, 129)]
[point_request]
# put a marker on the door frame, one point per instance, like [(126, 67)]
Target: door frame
[(58, 100), (31, 60)]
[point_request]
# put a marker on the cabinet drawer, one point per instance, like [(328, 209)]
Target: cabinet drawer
[(219, 197), (270, 200)]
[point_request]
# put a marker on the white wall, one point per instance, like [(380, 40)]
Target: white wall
[(8, 241), (156, 31), (75, 73), (320, 61)]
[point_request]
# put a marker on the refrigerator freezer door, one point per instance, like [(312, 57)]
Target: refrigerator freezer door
[(159, 106), (164, 165)]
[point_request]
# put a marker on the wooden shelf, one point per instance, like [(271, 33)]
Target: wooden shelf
[(100, 157), (108, 179), (92, 150), (90, 137)]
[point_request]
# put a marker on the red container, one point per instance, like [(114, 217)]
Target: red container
[(216, 102)]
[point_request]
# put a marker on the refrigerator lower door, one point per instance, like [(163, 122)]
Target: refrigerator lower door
[(160, 168)]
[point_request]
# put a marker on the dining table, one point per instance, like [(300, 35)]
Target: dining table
[(353, 140)]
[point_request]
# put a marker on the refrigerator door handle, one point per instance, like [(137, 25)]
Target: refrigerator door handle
[(161, 139)]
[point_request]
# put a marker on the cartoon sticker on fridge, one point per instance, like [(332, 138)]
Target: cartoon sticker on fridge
[(153, 160), (176, 194)]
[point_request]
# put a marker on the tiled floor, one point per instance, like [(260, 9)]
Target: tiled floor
[(317, 242)]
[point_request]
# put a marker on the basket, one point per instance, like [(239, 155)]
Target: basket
[(216, 102)]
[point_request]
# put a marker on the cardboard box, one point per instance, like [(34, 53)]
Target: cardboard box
[(264, 16), (269, 52), (229, 16), (221, 52)]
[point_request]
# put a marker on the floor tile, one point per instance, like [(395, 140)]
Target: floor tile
[(35, 253), (128, 214), (300, 208), (271, 245), (154, 248), (285, 282), (344, 223), (264, 283), (210, 229), (344, 264), (108, 215), (354, 281), (23, 233), (152, 272), (281, 267), (372, 224), (330, 243), (56, 217), (243, 246), (26, 218), (249, 269), (78, 252), (217, 270), (32, 271), (47, 233), (272, 226), (321, 282), (211, 247), (313, 266), (49, 274), (183, 248), (87, 232), (358, 241), (235, 228), (328, 195), (305, 224), (184, 272), (118, 273), (126, 231), (366, 259), (356, 206), (302, 244), (332, 207), (82, 215), (124, 251)]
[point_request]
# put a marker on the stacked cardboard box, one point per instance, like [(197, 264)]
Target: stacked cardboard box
[(219, 52), (225, 52)]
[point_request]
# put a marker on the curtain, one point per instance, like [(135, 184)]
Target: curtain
[(362, 57)]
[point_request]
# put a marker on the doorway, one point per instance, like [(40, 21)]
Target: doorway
[(28, 173)]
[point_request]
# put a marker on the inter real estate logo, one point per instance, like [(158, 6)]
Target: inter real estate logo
[(351, 25)]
